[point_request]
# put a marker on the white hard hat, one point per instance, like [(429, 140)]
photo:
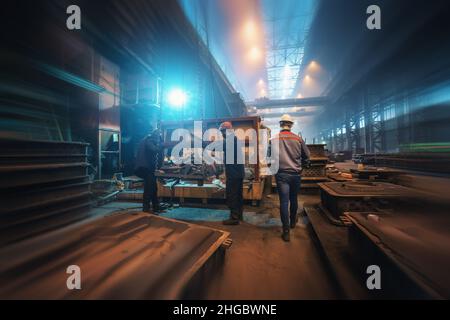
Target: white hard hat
[(286, 118)]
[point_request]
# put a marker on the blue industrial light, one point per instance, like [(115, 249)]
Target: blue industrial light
[(177, 98)]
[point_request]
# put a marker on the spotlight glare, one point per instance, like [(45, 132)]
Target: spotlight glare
[(313, 66), (177, 98), (250, 29), (255, 54)]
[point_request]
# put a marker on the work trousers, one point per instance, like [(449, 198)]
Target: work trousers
[(288, 185), (235, 200), (150, 192)]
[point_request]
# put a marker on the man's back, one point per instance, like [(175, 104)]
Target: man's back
[(292, 150), (147, 155)]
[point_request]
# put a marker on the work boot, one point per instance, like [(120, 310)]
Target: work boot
[(230, 222), (158, 211), (285, 236)]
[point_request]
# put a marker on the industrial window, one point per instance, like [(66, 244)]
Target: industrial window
[(376, 117), (389, 112), (362, 122)]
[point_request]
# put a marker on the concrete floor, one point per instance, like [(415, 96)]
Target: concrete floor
[(259, 265)]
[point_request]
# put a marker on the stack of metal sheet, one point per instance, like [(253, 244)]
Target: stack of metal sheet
[(424, 161), (375, 173), (44, 185)]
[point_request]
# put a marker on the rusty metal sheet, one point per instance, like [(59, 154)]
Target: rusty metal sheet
[(417, 244), (123, 256), (365, 189)]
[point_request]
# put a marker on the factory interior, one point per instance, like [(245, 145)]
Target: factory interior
[(364, 85)]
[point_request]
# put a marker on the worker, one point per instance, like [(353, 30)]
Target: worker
[(234, 173), (292, 153), (149, 159)]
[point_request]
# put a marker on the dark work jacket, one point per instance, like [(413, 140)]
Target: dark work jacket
[(292, 151), (149, 157), (233, 170)]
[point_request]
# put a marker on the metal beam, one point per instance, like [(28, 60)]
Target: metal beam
[(286, 103), (293, 114)]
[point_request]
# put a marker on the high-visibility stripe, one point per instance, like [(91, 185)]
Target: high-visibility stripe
[(287, 138), (288, 133)]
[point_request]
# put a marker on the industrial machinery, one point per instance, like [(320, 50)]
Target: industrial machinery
[(203, 187), (340, 197)]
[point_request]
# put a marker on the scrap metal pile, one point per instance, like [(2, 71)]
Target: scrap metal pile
[(190, 172), (200, 173)]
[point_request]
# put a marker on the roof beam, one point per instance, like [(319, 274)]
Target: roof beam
[(286, 103)]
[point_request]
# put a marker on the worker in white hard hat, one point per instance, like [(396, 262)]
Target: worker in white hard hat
[(292, 153)]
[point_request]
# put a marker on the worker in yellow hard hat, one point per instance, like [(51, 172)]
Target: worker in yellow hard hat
[(234, 173), (292, 153)]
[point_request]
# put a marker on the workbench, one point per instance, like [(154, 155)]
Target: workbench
[(252, 191)]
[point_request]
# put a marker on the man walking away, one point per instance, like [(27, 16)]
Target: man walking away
[(149, 159), (292, 152), (234, 173)]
